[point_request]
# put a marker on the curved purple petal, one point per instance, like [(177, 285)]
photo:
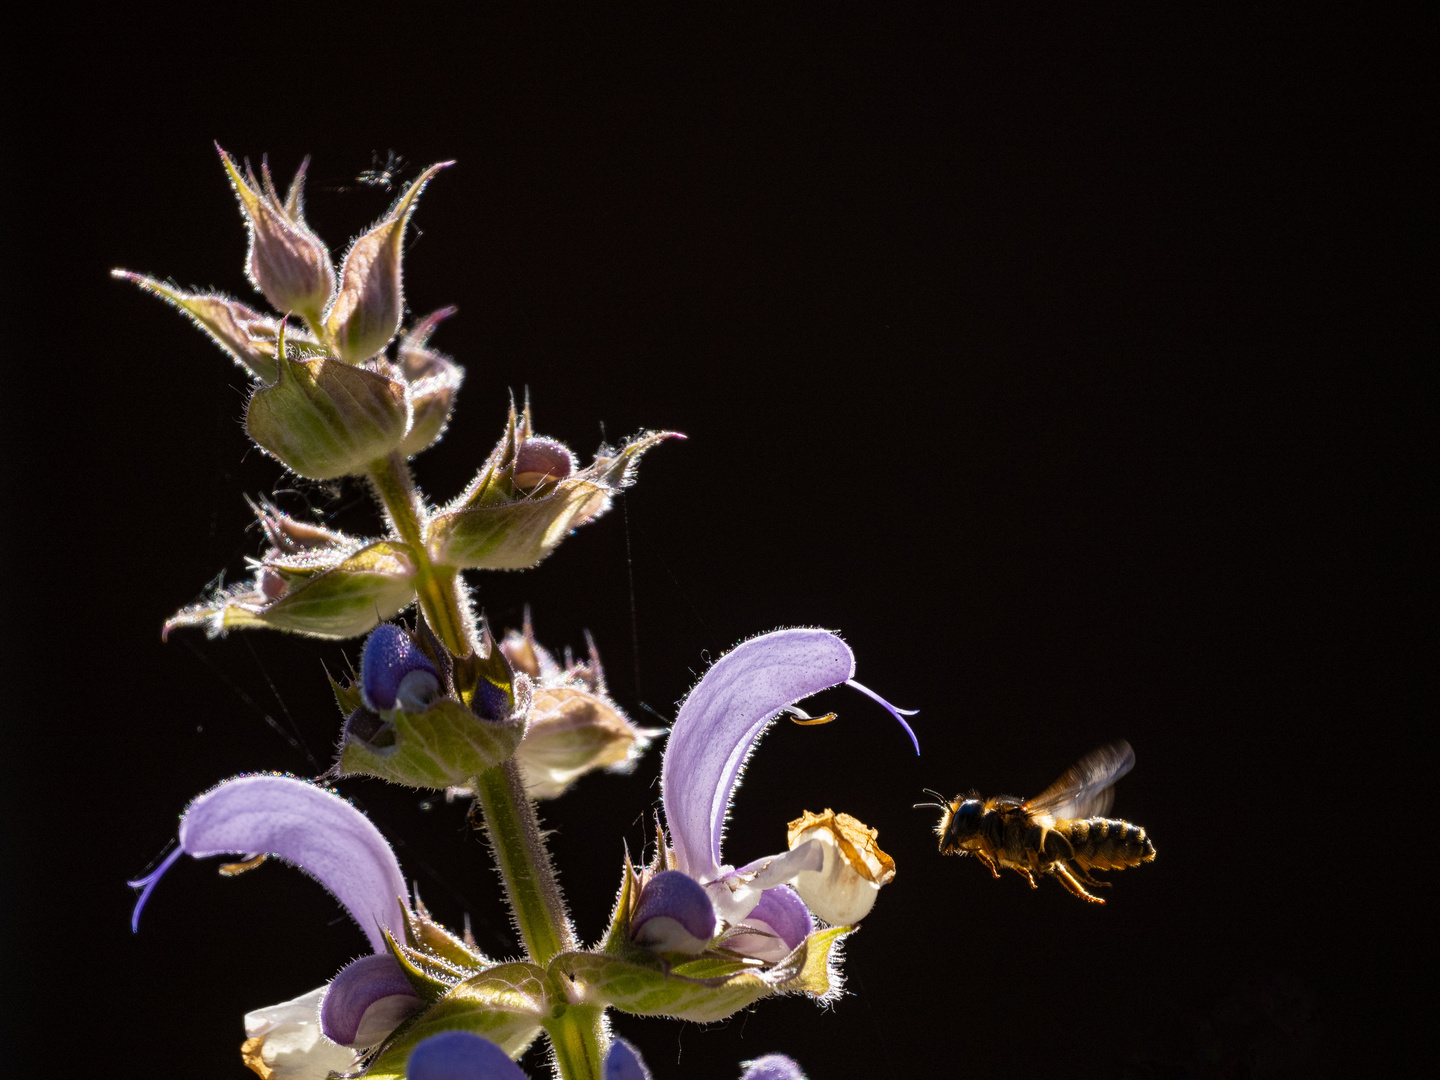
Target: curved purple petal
[(623, 1062), (460, 1055), (674, 914), (719, 722), (358, 986), (772, 1067), (389, 658), (306, 825), (782, 910)]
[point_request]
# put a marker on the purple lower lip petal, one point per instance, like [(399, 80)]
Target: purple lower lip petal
[(782, 910), (672, 906), (358, 986)]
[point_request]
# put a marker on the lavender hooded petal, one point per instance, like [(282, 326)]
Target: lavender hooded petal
[(772, 1067), (623, 1062), (358, 986), (306, 825), (460, 1055), (719, 722)]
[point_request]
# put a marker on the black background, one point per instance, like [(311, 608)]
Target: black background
[(1066, 367)]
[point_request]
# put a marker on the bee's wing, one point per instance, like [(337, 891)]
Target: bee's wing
[(1084, 789)]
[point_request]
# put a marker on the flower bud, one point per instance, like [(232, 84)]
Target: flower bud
[(394, 673), (287, 262), (843, 890), (431, 382), (674, 914), (365, 313), (500, 523), (542, 461), (324, 419), (244, 333), (573, 732)]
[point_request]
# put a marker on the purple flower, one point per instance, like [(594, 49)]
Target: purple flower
[(771, 1067), (394, 672), (713, 736), (303, 824), (460, 1055)]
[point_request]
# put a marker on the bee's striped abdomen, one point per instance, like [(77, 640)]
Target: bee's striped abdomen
[(1109, 844)]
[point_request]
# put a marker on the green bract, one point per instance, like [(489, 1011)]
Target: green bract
[(322, 418), (496, 526), (442, 747), (328, 594)]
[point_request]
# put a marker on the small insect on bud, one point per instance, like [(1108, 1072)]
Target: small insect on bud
[(287, 262), (542, 461), (365, 313)]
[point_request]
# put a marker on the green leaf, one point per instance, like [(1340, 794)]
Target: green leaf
[(323, 418), (374, 584), (444, 746), (504, 1004)]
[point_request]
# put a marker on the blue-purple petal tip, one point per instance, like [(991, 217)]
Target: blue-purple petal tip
[(147, 884), (898, 713), (460, 1055)]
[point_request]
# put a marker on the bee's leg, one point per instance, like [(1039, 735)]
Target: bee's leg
[(989, 863), (1026, 874), (1066, 878), (1087, 879)]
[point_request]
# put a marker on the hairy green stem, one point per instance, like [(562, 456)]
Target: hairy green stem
[(509, 815), (576, 1037), (436, 587)]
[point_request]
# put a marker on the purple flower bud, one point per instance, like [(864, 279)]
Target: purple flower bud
[(394, 672), (771, 1067), (674, 915), (376, 980), (542, 461), (623, 1062), (460, 1055), (287, 262)]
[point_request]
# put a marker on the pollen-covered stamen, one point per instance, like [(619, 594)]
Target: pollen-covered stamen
[(395, 673), (674, 915)]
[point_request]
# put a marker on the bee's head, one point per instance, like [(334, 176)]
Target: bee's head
[(960, 822)]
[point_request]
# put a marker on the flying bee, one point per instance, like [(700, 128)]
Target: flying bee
[(1062, 831)]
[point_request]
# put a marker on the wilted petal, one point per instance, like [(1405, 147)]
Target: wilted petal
[(306, 825), (719, 722), (367, 1001), (674, 914), (843, 890), (283, 1042), (623, 1062), (771, 1067), (780, 913), (460, 1055)]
